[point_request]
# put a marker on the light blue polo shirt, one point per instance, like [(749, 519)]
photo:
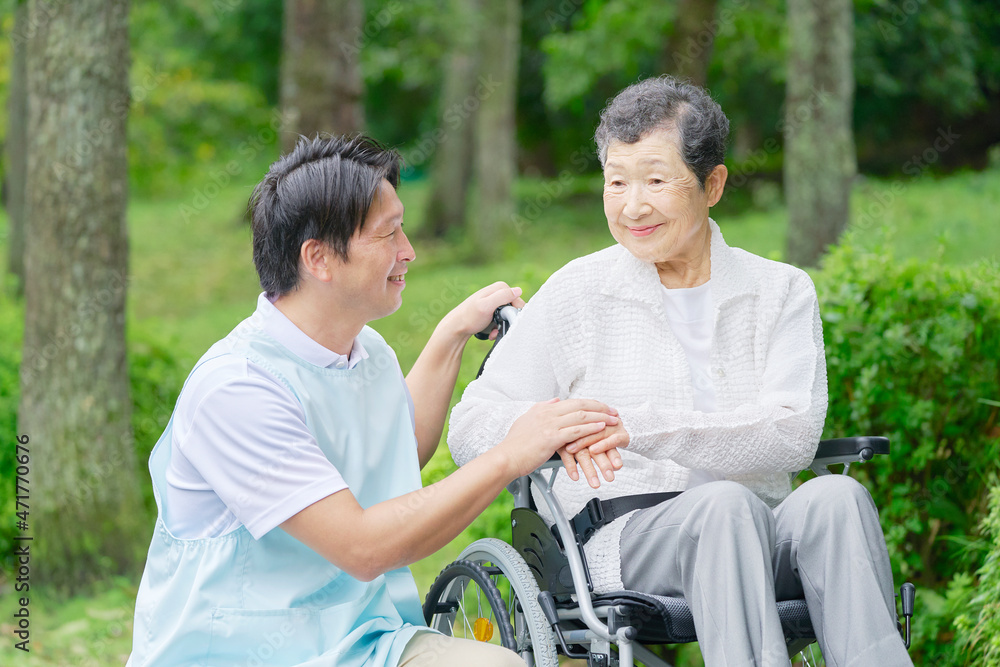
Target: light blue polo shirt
[(235, 599)]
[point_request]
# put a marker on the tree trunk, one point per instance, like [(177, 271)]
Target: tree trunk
[(820, 161), (17, 136), (689, 49), (86, 513), (451, 168), (495, 144), (321, 86)]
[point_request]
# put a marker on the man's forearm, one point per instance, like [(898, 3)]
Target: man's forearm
[(431, 382), (400, 531)]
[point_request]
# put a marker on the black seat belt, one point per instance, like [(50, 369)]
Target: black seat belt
[(598, 513)]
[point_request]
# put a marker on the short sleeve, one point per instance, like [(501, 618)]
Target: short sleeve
[(247, 439)]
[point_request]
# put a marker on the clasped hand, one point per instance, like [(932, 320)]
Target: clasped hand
[(598, 451)]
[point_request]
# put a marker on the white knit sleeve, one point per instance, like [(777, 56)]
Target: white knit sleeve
[(518, 374), (776, 433)]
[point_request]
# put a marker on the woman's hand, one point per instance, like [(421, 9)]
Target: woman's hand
[(547, 427), (476, 312), (598, 451)]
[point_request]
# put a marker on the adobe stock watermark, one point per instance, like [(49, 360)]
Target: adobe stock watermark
[(696, 45), (248, 150), (424, 320), (80, 151), (800, 115), (63, 339), (915, 167), (582, 159), (454, 118), (376, 23), (899, 14), (39, 15)]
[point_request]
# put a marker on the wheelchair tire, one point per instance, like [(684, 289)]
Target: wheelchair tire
[(534, 640), (449, 608)]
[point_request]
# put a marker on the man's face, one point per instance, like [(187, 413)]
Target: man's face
[(373, 277)]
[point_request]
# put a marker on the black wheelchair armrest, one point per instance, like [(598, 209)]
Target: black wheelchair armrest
[(848, 450)]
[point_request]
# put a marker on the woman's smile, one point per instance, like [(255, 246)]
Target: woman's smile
[(644, 231)]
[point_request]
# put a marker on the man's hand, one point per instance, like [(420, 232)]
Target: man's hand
[(549, 426), (598, 451), (476, 312)]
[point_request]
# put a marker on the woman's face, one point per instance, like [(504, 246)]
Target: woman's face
[(654, 205)]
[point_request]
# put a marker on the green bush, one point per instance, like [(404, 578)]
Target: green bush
[(979, 626), (155, 377), (912, 354), (12, 325)]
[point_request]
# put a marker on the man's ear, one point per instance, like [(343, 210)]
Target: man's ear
[(317, 260), (716, 183)]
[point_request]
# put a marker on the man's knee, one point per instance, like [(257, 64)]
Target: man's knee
[(497, 656)]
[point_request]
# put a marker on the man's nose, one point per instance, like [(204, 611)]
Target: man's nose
[(406, 253)]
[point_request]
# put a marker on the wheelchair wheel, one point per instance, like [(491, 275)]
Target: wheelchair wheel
[(489, 594)]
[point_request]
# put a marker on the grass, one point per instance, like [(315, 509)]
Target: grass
[(191, 281)]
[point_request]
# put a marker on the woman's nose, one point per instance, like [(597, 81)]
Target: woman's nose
[(636, 205)]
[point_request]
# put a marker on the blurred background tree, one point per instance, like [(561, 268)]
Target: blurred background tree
[(820, 164), (321, 86), (85, 504)]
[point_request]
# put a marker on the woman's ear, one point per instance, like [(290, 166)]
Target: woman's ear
[(716, 183)]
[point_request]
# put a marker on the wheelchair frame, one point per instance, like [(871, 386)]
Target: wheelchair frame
[(606, 624)]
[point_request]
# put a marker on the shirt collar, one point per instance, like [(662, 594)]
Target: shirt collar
[(275, 324), (638, 280)]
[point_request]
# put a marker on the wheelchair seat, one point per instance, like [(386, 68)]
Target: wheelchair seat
[(538, 595), (668, 620)]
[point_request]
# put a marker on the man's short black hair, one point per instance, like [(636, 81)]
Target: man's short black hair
[(321, 190)]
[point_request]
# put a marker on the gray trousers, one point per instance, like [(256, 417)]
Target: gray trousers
[(730, 556)]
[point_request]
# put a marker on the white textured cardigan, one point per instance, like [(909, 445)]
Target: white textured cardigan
[(597, 329)]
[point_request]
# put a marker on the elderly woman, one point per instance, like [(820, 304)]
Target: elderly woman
[(713, 358)]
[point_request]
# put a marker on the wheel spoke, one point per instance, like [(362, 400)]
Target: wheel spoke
[(465, 619)]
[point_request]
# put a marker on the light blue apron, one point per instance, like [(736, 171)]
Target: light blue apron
[(234, 600)]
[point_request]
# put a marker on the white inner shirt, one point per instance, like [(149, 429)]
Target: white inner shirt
[(692, 318), (242, 453)]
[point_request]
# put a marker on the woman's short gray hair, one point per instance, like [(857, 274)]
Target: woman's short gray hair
[(663, 102)]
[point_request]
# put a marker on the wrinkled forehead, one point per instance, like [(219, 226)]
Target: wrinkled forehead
[(659, 145)]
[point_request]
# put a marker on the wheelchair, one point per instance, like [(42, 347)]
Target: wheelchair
[(534, 596)]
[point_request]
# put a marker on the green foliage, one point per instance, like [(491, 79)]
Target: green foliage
[(912, 355), (155, 378), (940, 31), (84, 631), (979, 625), (11, 324), (627, 34), (197, 99)]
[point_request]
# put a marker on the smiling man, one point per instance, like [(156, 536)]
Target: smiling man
[(288, 479)]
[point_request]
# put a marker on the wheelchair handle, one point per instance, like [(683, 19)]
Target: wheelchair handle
[(503, 318), (907, 593)]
